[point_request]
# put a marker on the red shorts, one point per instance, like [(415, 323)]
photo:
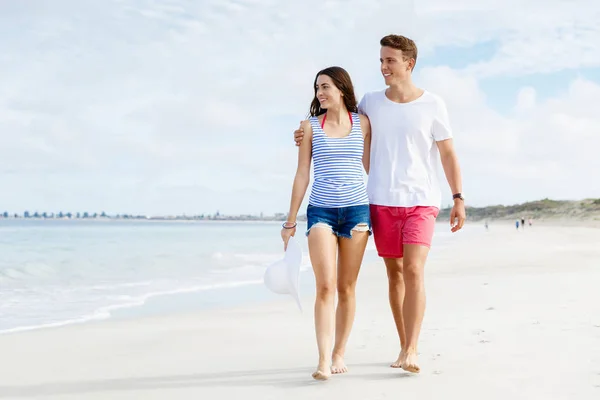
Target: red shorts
[(393, 227)]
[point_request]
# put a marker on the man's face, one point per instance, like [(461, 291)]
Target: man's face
[(395, 67)]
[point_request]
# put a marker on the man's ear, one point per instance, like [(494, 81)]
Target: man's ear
[(411, 64)]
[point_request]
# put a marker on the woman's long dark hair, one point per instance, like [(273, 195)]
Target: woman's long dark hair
[(341, 80)]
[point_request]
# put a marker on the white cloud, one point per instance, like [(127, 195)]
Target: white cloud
[(545, 36), (118, 105), (526, 98), (547, 149)]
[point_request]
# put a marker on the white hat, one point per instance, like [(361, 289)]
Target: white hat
[(282, 276)]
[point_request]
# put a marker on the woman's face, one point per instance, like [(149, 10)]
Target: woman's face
[(327, 94)]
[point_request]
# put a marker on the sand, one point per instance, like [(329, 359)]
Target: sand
[(510, 315)]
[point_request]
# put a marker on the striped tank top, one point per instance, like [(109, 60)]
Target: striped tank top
[(338, 169)]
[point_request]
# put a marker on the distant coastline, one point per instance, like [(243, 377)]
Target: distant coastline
[(545, 209), (107, 217)]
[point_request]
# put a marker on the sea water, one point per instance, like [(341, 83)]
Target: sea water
[(57, 272)]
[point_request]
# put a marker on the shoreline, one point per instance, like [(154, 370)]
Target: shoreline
[(236, 293), (230, 294)]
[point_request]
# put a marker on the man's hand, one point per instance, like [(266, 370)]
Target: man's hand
[(458, 215), (299, 135)]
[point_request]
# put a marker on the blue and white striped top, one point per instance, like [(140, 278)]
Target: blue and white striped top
[(338, 169)]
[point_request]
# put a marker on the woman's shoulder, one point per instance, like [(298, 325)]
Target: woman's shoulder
[(364, 120), (306, 125), (365, 124)]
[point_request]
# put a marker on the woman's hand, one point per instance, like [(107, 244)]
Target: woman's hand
[(286, 233)]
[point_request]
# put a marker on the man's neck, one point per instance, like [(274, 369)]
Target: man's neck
[(403, 92)]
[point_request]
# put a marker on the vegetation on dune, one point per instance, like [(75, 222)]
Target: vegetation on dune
[(539, 209)]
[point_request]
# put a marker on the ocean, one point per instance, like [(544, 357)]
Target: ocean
[(58, 272)]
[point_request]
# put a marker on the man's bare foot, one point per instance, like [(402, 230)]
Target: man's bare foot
[(323, 372), (338, 366), (410, 362), (398, 362)]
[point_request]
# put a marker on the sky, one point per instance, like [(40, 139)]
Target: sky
[(189, 107)]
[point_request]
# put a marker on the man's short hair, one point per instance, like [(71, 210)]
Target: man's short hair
[(399, 42)]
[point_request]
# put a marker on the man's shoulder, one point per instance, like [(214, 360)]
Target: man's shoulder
[(369, 100), (432, 97), (373, 94)]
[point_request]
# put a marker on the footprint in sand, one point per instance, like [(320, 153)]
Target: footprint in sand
[(479, 332), (490, 309)]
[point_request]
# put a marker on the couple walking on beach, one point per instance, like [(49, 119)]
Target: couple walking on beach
[(397, 136)]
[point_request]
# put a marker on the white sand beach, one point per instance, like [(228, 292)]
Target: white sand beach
[(510, 315)]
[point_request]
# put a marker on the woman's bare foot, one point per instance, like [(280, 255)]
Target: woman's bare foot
[(398, 362), (323, 371), (410, 362), (338, 366)]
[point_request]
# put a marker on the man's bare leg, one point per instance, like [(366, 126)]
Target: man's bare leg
[(350, 258), (396, 292), (322, 246), (413, 308)]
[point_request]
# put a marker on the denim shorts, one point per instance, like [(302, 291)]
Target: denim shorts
[(342, 221)]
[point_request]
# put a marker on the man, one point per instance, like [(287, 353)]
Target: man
[(410, 130)]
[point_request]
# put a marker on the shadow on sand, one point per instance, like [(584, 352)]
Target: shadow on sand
[(280, 378)]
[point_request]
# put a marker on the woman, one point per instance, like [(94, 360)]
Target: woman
[(338, 140)]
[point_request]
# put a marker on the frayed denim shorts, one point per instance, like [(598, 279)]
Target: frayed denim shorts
[(342, 221)]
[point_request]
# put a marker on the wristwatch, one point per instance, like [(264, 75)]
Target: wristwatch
[(458, 196)]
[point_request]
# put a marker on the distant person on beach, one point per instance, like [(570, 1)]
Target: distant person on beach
[(338, 216), (522, 223), (517, 224), (410, 134)]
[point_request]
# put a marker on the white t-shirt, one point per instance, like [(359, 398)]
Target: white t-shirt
[(404, 154)]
